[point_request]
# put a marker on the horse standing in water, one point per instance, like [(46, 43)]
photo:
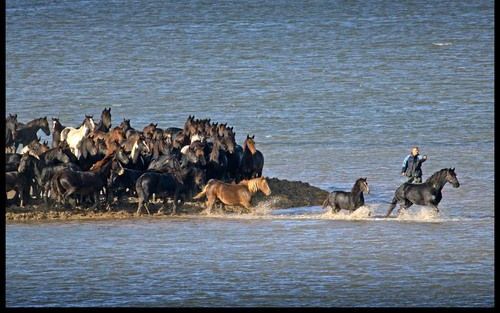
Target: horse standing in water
[(233, 194), (351, 201), (73, 136), (427, 193)]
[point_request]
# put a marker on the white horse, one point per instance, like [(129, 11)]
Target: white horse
[(73, 136)]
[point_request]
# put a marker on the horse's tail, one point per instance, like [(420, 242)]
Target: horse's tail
[(204, 191), (326, 202), (393, 205)]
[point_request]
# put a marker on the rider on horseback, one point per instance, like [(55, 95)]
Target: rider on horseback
[(411, 166)]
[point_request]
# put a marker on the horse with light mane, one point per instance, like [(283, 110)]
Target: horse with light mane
[(233, 194)]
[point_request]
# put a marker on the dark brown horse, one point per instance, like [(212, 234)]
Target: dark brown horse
[(252, 161), (83, 183), (105, 122), (27, 133), (233, 194), (351, 201)]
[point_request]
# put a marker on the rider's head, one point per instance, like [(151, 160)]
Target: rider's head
[(415, 151)]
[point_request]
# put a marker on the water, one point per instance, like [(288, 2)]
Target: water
[(332, 91)]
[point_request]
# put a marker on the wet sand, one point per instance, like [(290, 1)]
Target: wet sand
[(285, 194)]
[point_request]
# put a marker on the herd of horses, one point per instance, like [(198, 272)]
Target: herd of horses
[(94, 163)]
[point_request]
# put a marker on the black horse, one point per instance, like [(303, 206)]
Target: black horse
[(11, 125), (83, 183), (121, 179), (44, 175), (18, 182), (351, 201), (26, 133), (58, 155), (234, 163), (217, 163), (105, 122), (162, 184), (427, 193), (12, 161), (252, 160)]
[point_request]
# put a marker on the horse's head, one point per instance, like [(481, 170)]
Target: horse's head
[(198, 149), (262, 185), (44, 125), (106, 117), (89, 122), (55, 124), (63, 154), (121, 156), (101, 146), (117, 170), (363, 185), (228, 142), (149, 130), (451, 177), (12, 117), (25, 162), (249, 143), (118, 134), (125, 125)]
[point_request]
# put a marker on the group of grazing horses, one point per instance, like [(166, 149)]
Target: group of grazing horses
[(427, 193), (94, 161)]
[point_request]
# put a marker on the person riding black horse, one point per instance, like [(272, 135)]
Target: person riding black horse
[(412, 166)]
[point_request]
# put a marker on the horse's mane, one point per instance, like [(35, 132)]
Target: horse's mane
[(253, 184), (437, 175)]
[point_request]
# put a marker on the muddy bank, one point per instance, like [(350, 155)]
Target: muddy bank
[(285, 194)]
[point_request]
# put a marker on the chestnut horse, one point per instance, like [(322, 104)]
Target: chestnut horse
[(232, 194)]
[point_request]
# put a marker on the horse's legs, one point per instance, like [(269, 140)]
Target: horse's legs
[(405, 206), (435, 208), (210, 203), (177, 197), (393, 205), (139, 206), (146, 205)]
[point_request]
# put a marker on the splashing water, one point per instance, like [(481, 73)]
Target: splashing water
[(423, 214), (363, 212)]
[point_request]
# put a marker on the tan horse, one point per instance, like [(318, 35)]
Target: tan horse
[(232, 194)]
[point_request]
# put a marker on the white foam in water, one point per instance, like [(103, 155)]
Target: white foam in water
[(365, 213), (362, 213), (423, 214), (440, 44)]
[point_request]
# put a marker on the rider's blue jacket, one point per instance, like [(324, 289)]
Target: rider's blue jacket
[(412, 164)]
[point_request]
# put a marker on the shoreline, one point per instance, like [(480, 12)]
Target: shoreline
[(285, 194)]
